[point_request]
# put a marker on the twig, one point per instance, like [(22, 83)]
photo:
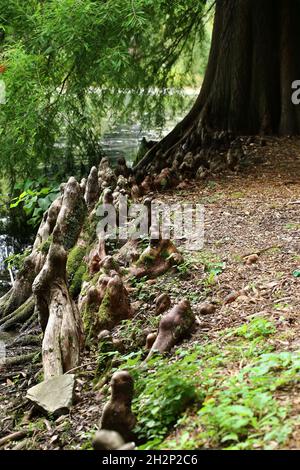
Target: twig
[(263, 250), (80, 367), (15, 436), (9, 269)]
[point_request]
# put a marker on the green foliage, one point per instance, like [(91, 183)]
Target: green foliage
[(132, 333), (44, 248), (241, 410), (34, 200), (76, 269), (16, 260), (258, 327), (245, 413), (70, 61), (73, 224), (211, 264), (163, 392), (238, 409)]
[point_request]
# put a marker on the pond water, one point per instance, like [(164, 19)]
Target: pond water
[(125, 139)]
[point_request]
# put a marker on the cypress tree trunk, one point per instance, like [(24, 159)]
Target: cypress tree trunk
[(254, 58)]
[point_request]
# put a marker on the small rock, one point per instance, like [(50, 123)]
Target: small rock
[(252, 259), (107, 440), (104, 335), (128, 446), (119, 345), (111, 440), (150, 340), (231, 297), (136, 306), (183, 185), (207, 308), (162, 303), (201, 173), (55, 396)]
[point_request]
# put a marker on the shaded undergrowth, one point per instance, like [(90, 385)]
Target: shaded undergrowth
[(220, 394)]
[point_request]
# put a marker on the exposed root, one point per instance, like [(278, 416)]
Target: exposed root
[(105, 304), (33, 320), (21, 290), (23, 313), (18, 360), (157, 259), (117, 415), (92, 190), (173, 326), (15, 436), (58, 313), (25, 340)]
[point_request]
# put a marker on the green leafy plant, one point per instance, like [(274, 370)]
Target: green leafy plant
[(34, 200), (16, 260), (163, 392), (256, 328), (84, 60), (244, 412), (210, 406)]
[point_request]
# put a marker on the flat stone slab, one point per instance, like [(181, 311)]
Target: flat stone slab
[(55, 395)]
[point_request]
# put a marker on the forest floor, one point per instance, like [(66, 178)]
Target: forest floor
[(244, 357)]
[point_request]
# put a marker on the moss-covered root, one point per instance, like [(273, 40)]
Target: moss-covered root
[(105, 305), (18, 360), (117, 414), (71, 216), (30, 323), (174, 325), (115, 305), (157, 259), (25, 340), (60, 319), (19, 316), (77, 268), (92, 189)]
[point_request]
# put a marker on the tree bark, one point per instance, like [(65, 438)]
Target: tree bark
[(59, 316), (254, 59)]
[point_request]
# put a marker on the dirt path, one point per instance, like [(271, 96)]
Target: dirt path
[(254, 211)]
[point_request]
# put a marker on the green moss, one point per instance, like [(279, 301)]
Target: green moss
[(74, 224), (76, 269), (75, 258), (89, 316), (45, 246), (104, 357), (103, 312), (95, 278), (89, 230), (165, 254), (145, 259), (77, 281)]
